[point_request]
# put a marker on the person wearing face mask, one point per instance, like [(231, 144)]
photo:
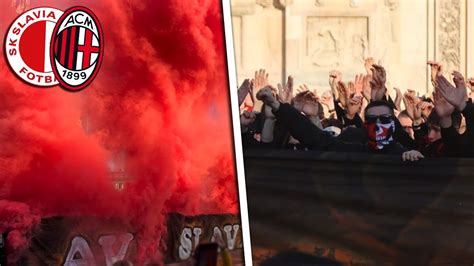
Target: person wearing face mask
[(379, 126), (428, 136)]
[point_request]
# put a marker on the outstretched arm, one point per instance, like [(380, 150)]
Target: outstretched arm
[(301, 127)]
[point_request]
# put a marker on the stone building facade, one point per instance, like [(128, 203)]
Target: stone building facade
[(308, 38)]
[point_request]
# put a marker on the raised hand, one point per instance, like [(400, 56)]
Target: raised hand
[(267, 96), (455, 95), (442, 106), (426, 108), (304, 87), (285, 92), (377, 84), (351, 88), (398, 99), (368, 62), (310, 108), (412, 106), (366, 89), (244, 90), (359, 84), (260, 80), (327, 100), (458, 80), (334, 79), (436, 70), (354, 105), (343, 93)]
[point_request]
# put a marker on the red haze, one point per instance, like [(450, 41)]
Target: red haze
[(160, 98)]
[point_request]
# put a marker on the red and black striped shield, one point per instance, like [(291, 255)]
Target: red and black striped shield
[(77, 48)]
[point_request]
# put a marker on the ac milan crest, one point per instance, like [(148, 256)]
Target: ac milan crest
[(77, 47), (46, 47)]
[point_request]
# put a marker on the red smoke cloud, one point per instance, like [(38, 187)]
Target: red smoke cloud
[(160, 98), (18, 220)]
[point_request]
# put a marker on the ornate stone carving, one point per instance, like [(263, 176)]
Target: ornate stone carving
[(335, 41), (449, 37), (324, 49)]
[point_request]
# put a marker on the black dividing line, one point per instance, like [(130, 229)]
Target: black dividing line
[(59, 40), (68, 39), (76, 44)]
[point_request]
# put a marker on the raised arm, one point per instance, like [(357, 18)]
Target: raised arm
[(301, 127)]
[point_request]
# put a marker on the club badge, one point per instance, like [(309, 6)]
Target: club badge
[(27, 46), (77, 47), (45, 47)]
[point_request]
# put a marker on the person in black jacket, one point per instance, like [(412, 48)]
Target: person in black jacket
[(379, 127)]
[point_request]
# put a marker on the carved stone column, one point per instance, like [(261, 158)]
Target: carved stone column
[(448, 39)]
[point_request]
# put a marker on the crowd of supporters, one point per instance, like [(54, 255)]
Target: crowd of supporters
[(361, 116)]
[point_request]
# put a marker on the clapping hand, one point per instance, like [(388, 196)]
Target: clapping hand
[(442, 106), (455, 95)]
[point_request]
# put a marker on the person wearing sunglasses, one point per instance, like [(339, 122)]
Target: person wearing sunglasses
[(379, 126)]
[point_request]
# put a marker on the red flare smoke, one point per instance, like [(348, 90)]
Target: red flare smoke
[(160, 99)]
